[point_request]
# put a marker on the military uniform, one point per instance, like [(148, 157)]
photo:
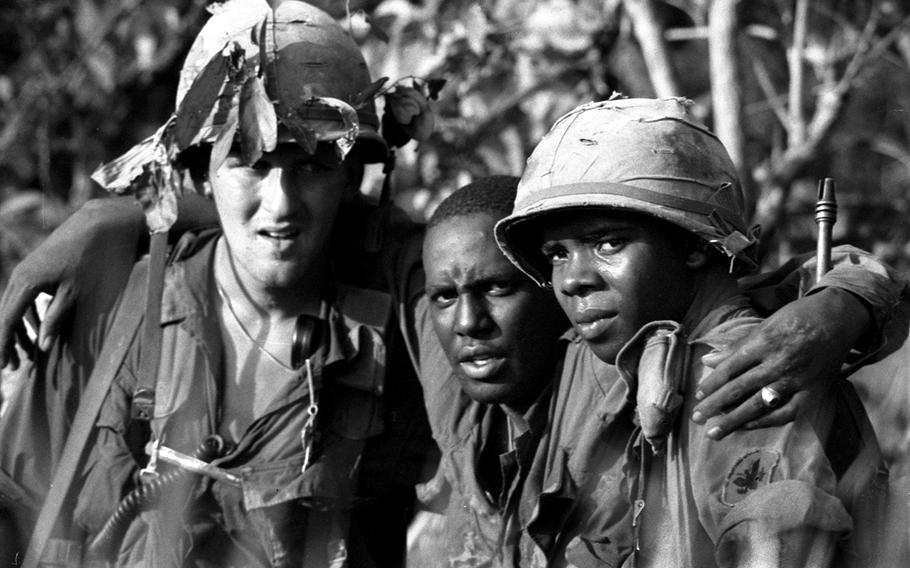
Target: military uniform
[(632, 481), (699, 502), (268, 519), (289, 84)]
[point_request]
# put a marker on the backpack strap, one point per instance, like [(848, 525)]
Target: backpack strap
[(150, 357), (117, 342)]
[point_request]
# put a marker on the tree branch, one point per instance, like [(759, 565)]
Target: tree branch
[(649, 33), (797, 126)]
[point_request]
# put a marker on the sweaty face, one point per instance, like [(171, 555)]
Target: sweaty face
[(613, 272), (278, 214), (498, 329)]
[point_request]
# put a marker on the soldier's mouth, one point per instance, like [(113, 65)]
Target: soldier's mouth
[(591, 324), (279, 234), (483, 367)]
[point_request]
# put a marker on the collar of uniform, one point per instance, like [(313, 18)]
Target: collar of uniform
[(731, 308), (532, 422)]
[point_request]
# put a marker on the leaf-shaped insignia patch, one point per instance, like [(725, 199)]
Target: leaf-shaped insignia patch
[(750, 472)]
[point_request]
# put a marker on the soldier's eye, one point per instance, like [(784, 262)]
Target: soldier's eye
[(442, 298), (554, 253), (611, 245), (499, 288)]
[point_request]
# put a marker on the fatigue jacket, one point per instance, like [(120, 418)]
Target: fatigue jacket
[(484, 523), (279, 515), (696, 502), (593, 422), (480, 502), (38, 416)]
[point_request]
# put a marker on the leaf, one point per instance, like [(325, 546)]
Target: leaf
[(377, 31), (405, 103), (258, 122), (411, 110), (222, 145), (360, 98), (200, 99), (309, 131), (118, 175), (350, 122), (303, 134), (392, 131), (157, 193), (434, 86)]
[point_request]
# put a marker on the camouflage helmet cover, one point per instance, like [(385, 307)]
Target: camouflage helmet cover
[(264, 77), (642, 155), (310, 69)]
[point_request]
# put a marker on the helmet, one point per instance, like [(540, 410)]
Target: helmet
[(642, 155), (262, 76), (310, 69)]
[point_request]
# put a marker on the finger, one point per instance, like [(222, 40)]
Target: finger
[(55, 316), (752, 408), (31, 317), (715, 358), (780, 416), (23, 338), (11, 360), (13, 305), (731, 362), (731, 393)]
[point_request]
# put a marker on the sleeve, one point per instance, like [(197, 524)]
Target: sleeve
[(441, 390), (767, 497), (106, 472), (863, 275), (38, 415), (880, 288)]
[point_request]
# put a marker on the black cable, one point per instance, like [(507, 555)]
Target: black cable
[(107, 541)]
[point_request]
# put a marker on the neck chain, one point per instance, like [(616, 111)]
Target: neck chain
[(259, 346)]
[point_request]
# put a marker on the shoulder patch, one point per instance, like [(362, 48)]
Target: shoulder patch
[(751, 471)]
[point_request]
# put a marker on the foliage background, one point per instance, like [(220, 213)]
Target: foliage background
[(798, 90)]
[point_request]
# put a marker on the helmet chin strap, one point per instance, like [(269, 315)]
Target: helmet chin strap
[(376, 228)]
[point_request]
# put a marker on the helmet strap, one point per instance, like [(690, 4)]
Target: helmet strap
[(379, 218)]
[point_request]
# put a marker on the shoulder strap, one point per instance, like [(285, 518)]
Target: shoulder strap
[(123, 329), (150, 357)]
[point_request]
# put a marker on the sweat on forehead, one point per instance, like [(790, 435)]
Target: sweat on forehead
[(493, 195)]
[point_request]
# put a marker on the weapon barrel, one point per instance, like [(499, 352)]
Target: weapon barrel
[(825, 217)]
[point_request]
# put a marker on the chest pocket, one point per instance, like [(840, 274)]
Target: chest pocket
[(353, 387)]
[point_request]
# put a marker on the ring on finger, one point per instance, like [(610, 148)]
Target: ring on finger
[(771, 398)]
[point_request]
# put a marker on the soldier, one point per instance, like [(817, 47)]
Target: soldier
[(498, 339), (498, 333), (235, 429), (70, 245), (634, 214)]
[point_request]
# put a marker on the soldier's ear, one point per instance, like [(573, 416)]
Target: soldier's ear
[(201, 184), (697, 254)]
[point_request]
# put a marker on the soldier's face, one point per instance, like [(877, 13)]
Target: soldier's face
[(278, 214), (498, 329), (613, 272)]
